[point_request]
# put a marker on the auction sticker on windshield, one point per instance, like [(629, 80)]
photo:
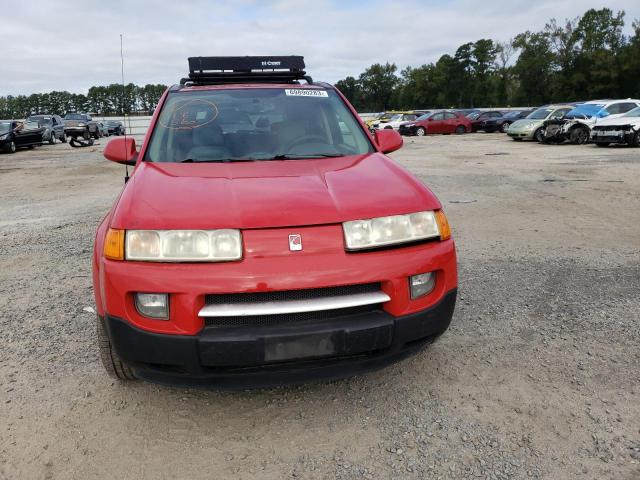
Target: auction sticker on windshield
[(301, 92)]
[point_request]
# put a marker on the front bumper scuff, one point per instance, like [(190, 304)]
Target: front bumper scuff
[(243, 357)]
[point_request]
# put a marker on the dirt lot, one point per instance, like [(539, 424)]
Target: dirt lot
[(538, 377)]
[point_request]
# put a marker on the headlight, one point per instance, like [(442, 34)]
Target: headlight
[(382, 231), (4, 137), (82, 124), (183, 245)]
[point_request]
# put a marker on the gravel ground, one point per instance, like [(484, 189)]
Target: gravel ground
[(537, 378)]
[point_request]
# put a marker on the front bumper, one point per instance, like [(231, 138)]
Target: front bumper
[(523, 134), (620, 136), (264, 356)]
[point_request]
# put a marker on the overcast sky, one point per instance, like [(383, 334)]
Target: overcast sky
[(46, 47)]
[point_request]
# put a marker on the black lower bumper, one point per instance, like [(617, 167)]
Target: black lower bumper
[(242, 357), (625, 138)]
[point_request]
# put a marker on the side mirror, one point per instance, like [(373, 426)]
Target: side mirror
[(388, 140), (121, 150)]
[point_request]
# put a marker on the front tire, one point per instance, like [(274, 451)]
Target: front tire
[(11, 148), (538, 136), (579, 136), (52, 138), (86, 135), (420, 131), (504, 127), (63, 139), (635, 140), (460, 129), (115, 367)]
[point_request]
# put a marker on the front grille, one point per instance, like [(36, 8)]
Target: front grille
[(282, 319)]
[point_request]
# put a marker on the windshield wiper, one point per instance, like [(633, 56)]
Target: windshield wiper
[(294, 156)]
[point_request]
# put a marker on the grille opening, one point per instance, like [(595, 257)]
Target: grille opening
[(283, 295), (287, 318)]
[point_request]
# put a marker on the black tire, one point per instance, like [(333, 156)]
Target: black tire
[(11, 148), (115, 367), (460, 129), (96, 134), (602, 144), (538, 135), (420, 132), (635, 140), (579, 136), (86, 134), (504, 127), (63, 139)]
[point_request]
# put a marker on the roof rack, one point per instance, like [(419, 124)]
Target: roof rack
[(225, 70)]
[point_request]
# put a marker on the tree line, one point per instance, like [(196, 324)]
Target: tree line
[(583, 58), (102, 100)]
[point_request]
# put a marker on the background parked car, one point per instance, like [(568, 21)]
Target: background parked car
[(54, 127), (532, 127), (103, 129), (479, 120), (395, 120), (80, 125), (114, 127), (15, 134), (502, 123), (447, 121), (467, 111), (619, 130)]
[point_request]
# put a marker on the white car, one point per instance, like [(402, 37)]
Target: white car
[(395, 120), (576, 125), (624, 129)]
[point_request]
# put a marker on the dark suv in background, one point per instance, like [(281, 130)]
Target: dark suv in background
[(80, 125)]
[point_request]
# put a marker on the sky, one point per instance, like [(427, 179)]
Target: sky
[(48, 47)]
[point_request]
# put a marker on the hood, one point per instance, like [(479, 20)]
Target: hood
[(268, 194), (635, 121), (526, 122)]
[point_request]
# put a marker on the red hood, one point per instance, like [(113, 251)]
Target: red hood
[(268, 194)]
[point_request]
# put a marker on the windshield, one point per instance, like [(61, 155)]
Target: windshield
[(255, 124), (633, 113), (5, 127), (75, 116), (424, 117), (511, 114), (473, 115), (540, 114), (41, 120), (586, 110)]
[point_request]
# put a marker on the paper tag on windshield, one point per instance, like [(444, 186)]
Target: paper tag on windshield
[(303, 92)]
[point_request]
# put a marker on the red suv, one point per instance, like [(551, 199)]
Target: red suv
[(437, 122), (264, 237)]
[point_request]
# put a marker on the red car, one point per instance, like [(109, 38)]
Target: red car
[(264, 237), (437, 122)]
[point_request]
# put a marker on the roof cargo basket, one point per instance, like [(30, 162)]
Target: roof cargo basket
[(224, 70)]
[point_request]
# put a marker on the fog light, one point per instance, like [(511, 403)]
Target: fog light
[(153, 305), (421, 284)]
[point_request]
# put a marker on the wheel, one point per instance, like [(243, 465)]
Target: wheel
[(52, 138), (602, 144), (460, 129), (86, 135), (63, 139), (11, 148), (96, 134), (420, 131), (504, 127), (635, 141), (579, 136), (115, 367), (538, 136)]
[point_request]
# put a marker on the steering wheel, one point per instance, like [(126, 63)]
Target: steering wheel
[(306, 138)]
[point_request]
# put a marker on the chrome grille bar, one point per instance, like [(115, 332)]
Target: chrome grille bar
[(293, 306)]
